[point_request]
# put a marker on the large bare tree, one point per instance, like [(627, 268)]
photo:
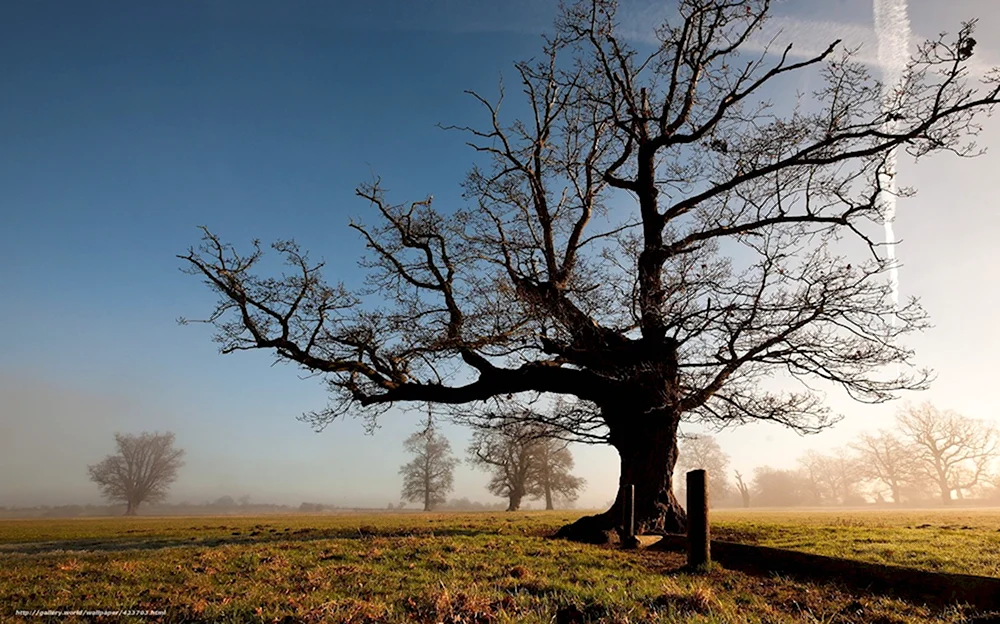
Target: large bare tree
[(140, 472), (954, 451), (430, 476), (654, 238)]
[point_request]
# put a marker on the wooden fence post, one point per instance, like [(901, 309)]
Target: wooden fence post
[(699, 554), (628, 513)]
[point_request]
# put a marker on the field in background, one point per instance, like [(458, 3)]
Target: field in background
[(461, 568)]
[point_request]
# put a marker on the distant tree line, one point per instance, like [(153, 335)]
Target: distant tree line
[(931, 455), (464, 504), (157, 509)]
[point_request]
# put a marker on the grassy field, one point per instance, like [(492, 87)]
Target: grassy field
[(959, 541), (455, 568)]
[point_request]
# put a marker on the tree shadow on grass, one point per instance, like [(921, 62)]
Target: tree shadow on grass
[(934, 589)]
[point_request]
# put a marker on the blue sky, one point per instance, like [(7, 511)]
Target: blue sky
[(124, 125)]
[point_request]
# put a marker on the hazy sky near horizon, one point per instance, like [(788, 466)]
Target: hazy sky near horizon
[(125, 125)]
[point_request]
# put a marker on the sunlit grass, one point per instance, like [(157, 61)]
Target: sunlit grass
[(488, 567), (962, 541)]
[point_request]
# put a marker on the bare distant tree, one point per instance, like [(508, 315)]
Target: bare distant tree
[(775, 487), (429, 477), (703, 452), (141, 471), (527, 455), (954, 451), (551, 476), (990, 490), (723, 263), (833, 478), (509, 455), (743, 489), (883, 457), (810, 470)]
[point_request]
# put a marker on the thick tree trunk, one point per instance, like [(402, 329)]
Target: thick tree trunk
[(427, 487), (945, 492), (548, 497), (647, 446), (131, 508), (745, 496), (514, 500)]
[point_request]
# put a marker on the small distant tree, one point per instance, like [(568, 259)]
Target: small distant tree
[(953, 450), (244, 500), (429, 477), (779, 488), (743, 489), (990, 491), (884, 458), (224, 501), (551, 475), (140, 472), (509, 455), (702, 452), (833, 478)]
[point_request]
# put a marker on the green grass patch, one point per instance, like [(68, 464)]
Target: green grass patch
[(460, 568), (962, 542)]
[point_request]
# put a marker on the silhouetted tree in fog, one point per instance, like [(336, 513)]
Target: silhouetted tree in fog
[(954, 451), (526, 457), (551, 476), (833, 478), (721, 264), (140, 472), (779, 488), (703, 452), (743, 489), (884, 458), (429, 477), (508, 454)]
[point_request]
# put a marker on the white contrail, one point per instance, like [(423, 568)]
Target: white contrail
[(892, 30)]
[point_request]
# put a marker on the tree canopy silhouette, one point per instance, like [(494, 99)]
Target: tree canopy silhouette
[(953, 451), (702, 452), (140, 472), (654, 239), (508, 454), (430, 476)]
